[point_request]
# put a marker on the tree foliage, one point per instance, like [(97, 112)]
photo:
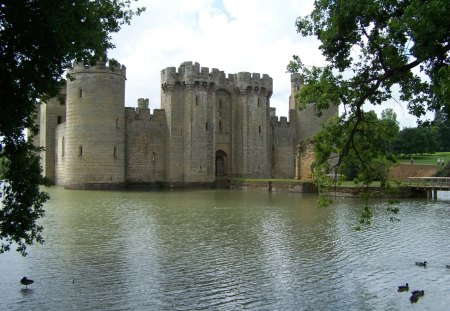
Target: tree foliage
[(416, 140), (372, 48), (38, 41), (374, 51), (442, 124), (369, 155)]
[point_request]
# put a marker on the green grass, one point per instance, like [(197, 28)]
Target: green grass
[(427, 159)]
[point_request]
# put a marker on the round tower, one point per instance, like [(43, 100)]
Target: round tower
[(93, 148)]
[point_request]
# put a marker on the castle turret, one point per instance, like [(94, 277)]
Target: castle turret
[(93, 146), (188, 96), (307, 121), (296, 84)]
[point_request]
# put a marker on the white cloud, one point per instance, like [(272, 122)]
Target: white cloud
[(231, 35)]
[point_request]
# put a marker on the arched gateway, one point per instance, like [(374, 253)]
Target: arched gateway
[(221, 163)]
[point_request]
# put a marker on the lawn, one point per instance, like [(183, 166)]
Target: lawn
[(429, 158)]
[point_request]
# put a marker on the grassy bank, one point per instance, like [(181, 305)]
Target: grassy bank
[(426, 159)]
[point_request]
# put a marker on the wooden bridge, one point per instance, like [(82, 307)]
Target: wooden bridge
[(430, 184)]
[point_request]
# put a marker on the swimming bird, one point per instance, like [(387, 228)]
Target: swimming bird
[(448, 266), (421, 264), (403, 288), (420, 293), (26, 282), (414, 298), (415, 294)]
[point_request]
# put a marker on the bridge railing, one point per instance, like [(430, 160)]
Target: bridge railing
[(430, 182)]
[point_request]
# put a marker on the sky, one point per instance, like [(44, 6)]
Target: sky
[(257, 36)]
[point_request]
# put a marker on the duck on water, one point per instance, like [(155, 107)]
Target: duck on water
[(421, 264), (26, 282)]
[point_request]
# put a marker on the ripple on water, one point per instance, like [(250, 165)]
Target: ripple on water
[(255, 251)]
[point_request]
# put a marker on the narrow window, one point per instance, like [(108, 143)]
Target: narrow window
[(220, 125), (196, 100), (63, 148), (115, 151), (80, 93), (80, 150), (259, 129), (59, 120)]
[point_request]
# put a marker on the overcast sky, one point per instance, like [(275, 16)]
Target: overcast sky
[(232, 35)]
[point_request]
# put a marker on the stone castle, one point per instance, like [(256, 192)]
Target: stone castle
[(209, 125)]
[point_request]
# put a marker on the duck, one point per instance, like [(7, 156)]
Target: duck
[(403, 288), (448, 266), (25, 281), (420, 293), (421, 264), (415, 294)]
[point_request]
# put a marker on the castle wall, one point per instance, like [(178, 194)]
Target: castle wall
[(209, 113), (208, 123), (304, 159), (307, 121), (145, 147), (60, 153), (250, 120), (284, 149), (51, 114), (199, 129), (256, 140), (94, 141)]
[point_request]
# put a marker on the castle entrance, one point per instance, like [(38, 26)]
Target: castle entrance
[(221, 163)]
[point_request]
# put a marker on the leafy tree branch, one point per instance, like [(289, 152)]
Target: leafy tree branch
[(373, 49), (38, 41)]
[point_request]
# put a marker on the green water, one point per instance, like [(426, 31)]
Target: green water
[(228, 250)]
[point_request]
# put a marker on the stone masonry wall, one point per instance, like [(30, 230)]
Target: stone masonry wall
[(145, 144), (94, 141), (283, 148), (52, 114), (304, 159)]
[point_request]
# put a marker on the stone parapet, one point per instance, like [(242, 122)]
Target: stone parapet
[(190, 73), (99, 67)]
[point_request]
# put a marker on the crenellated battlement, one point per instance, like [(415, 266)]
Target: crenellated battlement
[(100, 67), (297, 77), (190, 73), (281, 123), (142, 112), (211, 124)]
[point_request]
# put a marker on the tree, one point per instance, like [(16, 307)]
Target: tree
[(442, 123), (369, 148), (416, 140), (373, 50), (38, 41)]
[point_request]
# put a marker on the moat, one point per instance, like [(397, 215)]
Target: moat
[(229, 250)]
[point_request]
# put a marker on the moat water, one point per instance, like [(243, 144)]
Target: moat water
[(229, 250)]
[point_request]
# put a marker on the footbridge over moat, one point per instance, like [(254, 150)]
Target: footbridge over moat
[(430, 184)]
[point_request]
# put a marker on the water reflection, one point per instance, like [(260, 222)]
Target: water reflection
[(227, 250)]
